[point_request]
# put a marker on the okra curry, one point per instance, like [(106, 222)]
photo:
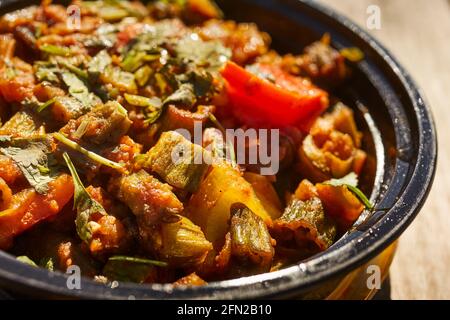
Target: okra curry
[(97, 98)]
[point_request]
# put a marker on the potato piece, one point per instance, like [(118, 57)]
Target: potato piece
[(209, 208), (266, 193)]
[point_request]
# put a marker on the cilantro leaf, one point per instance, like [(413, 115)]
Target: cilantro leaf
[(134, 60), (46, 104), (98, 64), (5, 138), (138, 260), (130, 269), (47, 71), (361, 197), (184, 96), (74, 69), (35, 160), (56, 50), (351, 182), (144, 102), (201, 81), (78, 89), (83, 202), (210, 55), (91, 155)]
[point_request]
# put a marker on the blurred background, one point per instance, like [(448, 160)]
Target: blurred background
[(417, 33)]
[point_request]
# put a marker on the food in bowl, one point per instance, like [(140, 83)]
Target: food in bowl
[(163, 144)]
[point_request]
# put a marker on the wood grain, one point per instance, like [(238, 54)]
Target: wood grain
[(418, 33)]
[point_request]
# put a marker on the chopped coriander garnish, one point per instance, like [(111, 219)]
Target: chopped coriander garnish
[(91, 155), (351, 181), (56, 50)]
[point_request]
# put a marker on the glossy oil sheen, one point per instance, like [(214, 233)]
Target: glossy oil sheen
[(400, 139)]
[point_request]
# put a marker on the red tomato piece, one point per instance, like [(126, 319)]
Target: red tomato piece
[(288, 101)]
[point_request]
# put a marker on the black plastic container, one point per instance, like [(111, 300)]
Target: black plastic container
[(401, 141)]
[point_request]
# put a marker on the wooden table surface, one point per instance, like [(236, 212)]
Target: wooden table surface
[(418, 33)]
